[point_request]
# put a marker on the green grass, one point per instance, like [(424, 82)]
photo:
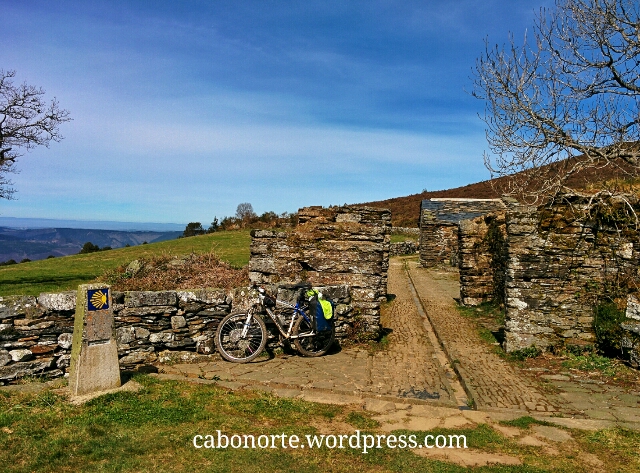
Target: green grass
[(153, 430), (592, 362), (362, 421), (60, 274), (397, 238), (524, 422), (486, 310)]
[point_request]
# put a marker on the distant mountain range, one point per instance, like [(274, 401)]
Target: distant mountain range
[(39, 243), (16, 222)]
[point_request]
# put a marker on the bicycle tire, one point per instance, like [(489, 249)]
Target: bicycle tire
[(316, 345), (230, 343)]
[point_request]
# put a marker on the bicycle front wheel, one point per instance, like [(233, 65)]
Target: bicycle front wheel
[(313, 345), (236, 347)]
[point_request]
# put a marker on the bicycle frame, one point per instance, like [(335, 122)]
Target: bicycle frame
[(297, 312), (240, 337)]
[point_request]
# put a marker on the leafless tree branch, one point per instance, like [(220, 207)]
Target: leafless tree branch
[(26, 121), (566, 99)]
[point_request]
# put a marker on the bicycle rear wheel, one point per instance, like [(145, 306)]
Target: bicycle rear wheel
[(235, 347), (316, 345)]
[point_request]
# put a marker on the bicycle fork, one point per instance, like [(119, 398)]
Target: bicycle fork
[(247, 324)]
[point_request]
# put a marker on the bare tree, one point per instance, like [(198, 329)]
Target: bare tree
[(565, 102), (244, 213), (26, 121)]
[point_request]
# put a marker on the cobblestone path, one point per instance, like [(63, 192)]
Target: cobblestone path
[(489, 380), (414, 367), (409, 366), (406, 368)]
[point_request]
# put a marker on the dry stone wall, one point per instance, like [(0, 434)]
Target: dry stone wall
[(36, 333), (557, 269), (439, 220), (438, 243), (630, 341), (403, 248), (482, 251), (405, 231), (346, 245)]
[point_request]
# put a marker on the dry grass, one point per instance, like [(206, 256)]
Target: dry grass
[(166, 272), (405, 211)]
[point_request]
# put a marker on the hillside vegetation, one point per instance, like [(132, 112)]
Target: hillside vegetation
[(65, 273), (405, 211)]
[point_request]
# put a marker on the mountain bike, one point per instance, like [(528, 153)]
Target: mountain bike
[(242, 336)]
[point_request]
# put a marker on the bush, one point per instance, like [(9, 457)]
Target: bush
[(165, 272), (523, 354), (89, 247), (193, 229), (606, 325)]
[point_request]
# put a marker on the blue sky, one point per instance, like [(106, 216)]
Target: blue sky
[(183, 110)]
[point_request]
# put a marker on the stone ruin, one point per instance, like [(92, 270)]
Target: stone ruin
[(36, 333), (346, 245), (481, 258), (558, 268), (547, 267), (439, 222), (407, 247)]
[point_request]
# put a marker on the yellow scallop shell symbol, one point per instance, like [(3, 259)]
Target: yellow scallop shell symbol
[(99, 299)]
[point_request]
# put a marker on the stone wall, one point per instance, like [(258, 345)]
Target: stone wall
[(438, 243), (557, 269), (403, 248), (338, 245), (481, 253), (630, 340), (36, 333), (439, 220)]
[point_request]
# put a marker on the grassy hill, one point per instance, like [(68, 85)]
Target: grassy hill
[(65, 273)]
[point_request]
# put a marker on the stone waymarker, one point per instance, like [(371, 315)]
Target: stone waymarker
[(94, 353)]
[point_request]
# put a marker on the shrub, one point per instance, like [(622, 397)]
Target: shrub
[(166, 272), (523, 354), (606, 325), (89, 247), (193, 229)]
